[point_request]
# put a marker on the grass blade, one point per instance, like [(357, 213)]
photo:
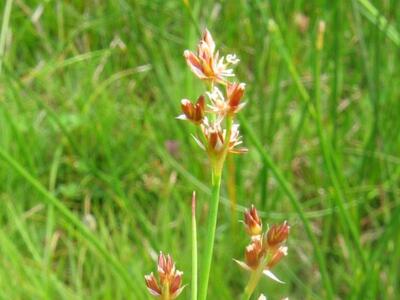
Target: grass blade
[(72, 220)]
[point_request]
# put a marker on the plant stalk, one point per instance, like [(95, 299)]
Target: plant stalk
[(4, 29), (212, 225), (255, 278), (252, 284), (194, 249)]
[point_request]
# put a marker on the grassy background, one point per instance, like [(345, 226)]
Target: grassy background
[(96, 173)]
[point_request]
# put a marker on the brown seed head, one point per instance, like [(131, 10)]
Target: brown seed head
[(252, 221), (277, 234)]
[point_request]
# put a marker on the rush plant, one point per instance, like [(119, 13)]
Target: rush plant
[(214, 114), (218, 133)]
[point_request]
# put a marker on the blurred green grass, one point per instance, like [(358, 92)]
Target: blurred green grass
[(96, 173)]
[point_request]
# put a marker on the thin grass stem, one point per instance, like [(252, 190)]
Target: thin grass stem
[(72, 220), (212, 225), (4, 29), (194, 249)]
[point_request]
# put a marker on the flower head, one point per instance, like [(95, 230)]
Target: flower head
[(193, 112), (152, 285), (170, 279), (218, 105), (252, 221), (215, 138), (277, 256), (236, 140), (259, 255), (231, 105), (206, 64), (277, 234), (235, 93), (254, 252), (265, 249)]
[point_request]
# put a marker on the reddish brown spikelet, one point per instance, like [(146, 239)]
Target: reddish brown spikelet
[(276, 258), (152, 285), (235, 93), (166, 268), (169, 286), (254, 252), (252, 221), (193, 112), (277, 234), (206, 63)]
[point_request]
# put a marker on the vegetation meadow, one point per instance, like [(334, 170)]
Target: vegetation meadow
[(97, 174)]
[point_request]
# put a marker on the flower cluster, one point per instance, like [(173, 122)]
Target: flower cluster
[(265, 249), (207, 65), (170, 279)]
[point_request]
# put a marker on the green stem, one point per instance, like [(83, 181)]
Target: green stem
[(252, 284), (194, 249), (217, 163), (4, 28), (255, 277), (330, 163), (73, 223), (212, 224)]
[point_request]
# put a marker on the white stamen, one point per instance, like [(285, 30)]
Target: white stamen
[(232, 59)]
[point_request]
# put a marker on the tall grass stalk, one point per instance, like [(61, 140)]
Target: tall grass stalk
[(80, 228), (194, 249), (4, 30), (327, 152), (211, 228)]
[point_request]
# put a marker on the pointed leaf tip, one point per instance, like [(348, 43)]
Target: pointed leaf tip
[(194, 203), (271, 275)]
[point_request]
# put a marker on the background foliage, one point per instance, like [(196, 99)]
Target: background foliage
[(96, 173)]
